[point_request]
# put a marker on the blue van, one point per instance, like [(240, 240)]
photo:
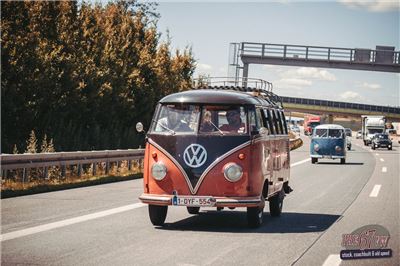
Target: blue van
[(328, 141)]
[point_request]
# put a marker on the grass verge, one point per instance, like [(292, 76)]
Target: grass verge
[(43, 188)]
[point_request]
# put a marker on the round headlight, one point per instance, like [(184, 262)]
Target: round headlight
[(316, 147), (232, 172), (158, 171), (338, 149)]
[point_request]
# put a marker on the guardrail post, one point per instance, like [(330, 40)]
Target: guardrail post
[(140, 164), (307, 53), (63, 171), (263, 49), (129, 165), (284, 51), (45, 172), (118, 165), (107, 167), (94, 169), (79, 170), (24, 175), (329, 54)]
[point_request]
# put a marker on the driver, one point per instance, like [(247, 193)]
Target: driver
[(235, 122)]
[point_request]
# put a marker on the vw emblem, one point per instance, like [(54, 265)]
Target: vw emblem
[(195, 155)]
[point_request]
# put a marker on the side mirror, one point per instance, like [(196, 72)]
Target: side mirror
[(139, 127)]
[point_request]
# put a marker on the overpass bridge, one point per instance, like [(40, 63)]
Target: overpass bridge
[(339, 108), (383, 58)]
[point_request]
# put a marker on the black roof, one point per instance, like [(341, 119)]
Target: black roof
[(212, 96)]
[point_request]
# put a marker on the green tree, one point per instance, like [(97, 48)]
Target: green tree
[(83, 73)]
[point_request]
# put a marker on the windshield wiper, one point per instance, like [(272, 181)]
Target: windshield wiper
[(220, 131), (164, 126)]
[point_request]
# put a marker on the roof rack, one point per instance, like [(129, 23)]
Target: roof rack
[(259, 87)]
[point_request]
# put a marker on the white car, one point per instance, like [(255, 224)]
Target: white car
[(358, 136), (294, 128)]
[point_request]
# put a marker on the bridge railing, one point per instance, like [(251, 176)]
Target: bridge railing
[(357, 106), (367, 56), (28, 161)]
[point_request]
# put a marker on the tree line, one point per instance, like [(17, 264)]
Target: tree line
[(83, 74)]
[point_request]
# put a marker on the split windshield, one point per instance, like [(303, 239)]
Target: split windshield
[(328, 133), (204, 119)]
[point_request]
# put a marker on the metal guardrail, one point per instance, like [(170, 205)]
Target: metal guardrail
[(356, 106), (350, 55), (64, 159)]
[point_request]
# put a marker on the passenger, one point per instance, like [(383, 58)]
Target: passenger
[(235, 122), (207, 125)]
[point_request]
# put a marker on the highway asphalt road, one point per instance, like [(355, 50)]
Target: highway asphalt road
[(107, 225)]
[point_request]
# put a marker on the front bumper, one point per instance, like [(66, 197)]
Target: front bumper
[(327, 156), (165, 200), (382, 144)]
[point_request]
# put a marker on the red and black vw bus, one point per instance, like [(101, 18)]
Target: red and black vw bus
[(218, 145)]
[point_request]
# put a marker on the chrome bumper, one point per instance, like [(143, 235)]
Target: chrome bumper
[(328, 156), (219, 201)]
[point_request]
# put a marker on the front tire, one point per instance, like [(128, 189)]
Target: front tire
[(255, 216), (157, 214), (342, 161), (193, 210), (314, 160), (276, 204)]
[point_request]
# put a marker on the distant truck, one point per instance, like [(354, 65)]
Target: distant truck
[(310, 122), (371, 125)]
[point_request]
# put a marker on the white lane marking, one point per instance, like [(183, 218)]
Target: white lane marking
[(384, 169), (382, 160), (377, 154), (300, 162), (332, 260), (84, 218), (375, 191)]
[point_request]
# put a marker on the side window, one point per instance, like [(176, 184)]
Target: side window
[(260, 122), (285, 129), (276, 121), (269, 119), (280, 121), (252, 120)]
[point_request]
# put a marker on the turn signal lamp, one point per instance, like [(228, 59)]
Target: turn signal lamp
[(242, 156), (154, 155)]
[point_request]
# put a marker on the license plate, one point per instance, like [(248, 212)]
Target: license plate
[(193, 201)]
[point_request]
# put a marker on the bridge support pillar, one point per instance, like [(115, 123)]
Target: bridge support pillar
[(245, 74)]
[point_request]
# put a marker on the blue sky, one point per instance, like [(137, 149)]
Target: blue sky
[(208, 27)]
